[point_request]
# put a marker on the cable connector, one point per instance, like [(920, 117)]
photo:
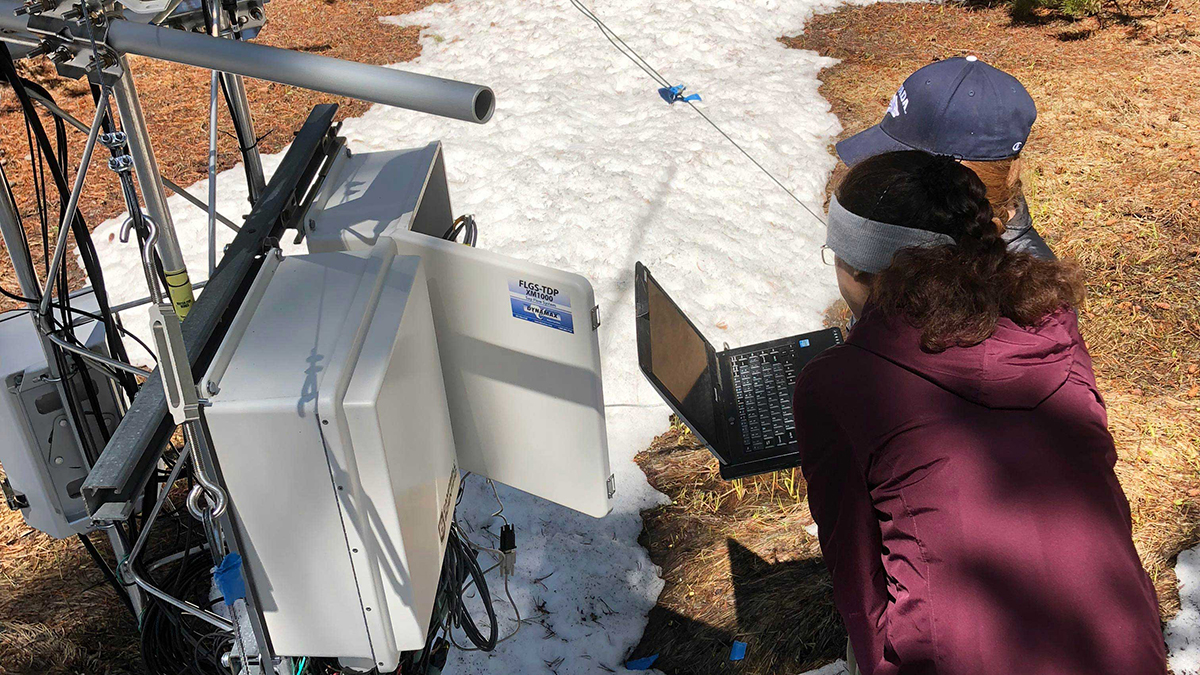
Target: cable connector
[(508, 550)]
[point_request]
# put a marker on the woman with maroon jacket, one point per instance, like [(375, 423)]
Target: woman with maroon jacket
[(956, 448)]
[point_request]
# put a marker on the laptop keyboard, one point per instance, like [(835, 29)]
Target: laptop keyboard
[(763, 382)]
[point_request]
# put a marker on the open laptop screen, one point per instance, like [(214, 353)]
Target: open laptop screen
[(679, 360)]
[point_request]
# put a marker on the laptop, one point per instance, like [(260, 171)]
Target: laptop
[(738, 402)]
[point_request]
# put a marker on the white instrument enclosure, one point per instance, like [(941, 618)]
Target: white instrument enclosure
[(331, 431), (44, 464)]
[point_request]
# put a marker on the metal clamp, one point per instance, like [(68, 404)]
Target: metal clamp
[(114, 139), (121, 164)]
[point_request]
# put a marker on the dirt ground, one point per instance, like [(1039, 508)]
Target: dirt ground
[(56, 613), (1113, 175)]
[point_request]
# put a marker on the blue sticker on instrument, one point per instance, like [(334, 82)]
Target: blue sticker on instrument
[(803, 343), (541, 304)]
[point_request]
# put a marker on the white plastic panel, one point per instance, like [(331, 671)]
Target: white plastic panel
[(370, 195), (525, 397), (525, 394), (326, 426)]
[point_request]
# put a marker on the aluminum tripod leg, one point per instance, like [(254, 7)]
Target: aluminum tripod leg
[(133, 123)]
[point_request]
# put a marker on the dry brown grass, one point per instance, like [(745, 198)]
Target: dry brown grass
[(1113, 173), (738, 565), (56, 613)]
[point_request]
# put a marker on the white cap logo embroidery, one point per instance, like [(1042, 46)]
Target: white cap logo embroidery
[(899, 103), (1017, 146)]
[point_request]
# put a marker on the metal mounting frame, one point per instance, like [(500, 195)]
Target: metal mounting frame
[(124, 467)]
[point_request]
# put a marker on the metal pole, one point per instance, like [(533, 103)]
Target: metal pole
[(11, 230), (133, 123), (60, 249), (240, 105), (212, 173), (412, 91), (245, 124)]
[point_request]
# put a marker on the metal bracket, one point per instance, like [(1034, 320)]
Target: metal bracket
[(121, 163), (173, 364), (66, 37), (612, 485), (595, 317), (16, 501)]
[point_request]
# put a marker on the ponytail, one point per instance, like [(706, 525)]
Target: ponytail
[(955, 294)]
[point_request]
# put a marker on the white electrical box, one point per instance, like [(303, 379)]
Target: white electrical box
[(331, 429), (39, 452)]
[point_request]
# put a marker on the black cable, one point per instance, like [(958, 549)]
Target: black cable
[(87, 254), (460, 568), (83, 239), (464, 224), (122, 593), (174, 643)]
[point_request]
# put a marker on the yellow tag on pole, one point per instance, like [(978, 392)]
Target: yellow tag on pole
[(179, 287)]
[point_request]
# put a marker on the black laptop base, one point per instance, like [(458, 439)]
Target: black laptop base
[(761, 466), (760, 430)]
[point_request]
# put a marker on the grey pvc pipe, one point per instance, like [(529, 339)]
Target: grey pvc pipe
[(411, 91), (422, 93)]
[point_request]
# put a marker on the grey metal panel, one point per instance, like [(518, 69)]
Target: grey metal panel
[(41, 456), (135, 446)]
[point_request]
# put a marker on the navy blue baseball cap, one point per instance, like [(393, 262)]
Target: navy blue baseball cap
[(959, 107)]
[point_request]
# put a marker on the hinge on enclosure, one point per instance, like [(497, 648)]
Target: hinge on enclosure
[(595, 317), (16, 502), (612, 485)]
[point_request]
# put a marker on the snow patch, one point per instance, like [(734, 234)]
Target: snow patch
[(1183, 632)]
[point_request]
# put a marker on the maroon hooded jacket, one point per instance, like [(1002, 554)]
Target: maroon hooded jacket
[(968, 509)]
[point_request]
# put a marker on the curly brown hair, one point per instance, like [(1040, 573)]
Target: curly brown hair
[(955, 293)]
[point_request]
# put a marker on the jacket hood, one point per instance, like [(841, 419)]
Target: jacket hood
[(1015, 369)]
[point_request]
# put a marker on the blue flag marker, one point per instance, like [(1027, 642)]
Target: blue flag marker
[(673, 94), (642, 663)]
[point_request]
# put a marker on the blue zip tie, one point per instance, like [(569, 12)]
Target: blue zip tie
[(673, 94), (228, 577)]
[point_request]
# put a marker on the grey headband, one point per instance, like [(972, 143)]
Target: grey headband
[(869, 245)]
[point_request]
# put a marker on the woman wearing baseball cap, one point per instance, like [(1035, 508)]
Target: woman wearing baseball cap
[(956, 447), (965, 109)]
